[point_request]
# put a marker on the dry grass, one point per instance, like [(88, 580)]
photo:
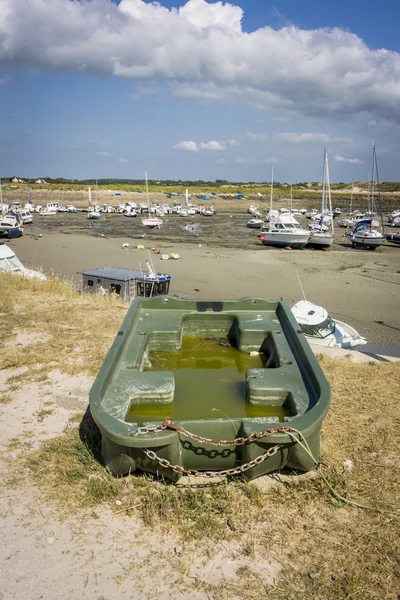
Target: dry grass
[(78, 328), (327, 549)]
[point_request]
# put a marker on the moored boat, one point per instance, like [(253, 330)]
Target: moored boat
[(11, 225)]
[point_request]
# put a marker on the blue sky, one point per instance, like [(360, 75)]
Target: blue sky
[(105, 89)]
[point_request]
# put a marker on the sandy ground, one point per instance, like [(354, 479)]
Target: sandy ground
[(101, 556), (358, 287)]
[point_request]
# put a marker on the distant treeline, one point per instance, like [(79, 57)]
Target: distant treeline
[(386, 186)]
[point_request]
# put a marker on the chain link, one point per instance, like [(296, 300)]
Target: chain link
[(239, 441), (148, 429), (163, 462)]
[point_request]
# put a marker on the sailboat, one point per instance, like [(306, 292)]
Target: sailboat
[(321, 236), (150, 222), (284, 231), (365, 232)]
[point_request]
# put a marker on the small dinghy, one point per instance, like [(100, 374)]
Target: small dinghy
[(254, 223), (393, 237)]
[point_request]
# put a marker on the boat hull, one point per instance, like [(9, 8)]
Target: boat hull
[(285, 241), (126, 448), (367, 242), (394, 238), (320, 240)]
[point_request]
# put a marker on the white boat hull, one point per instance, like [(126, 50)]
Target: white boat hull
[(320, 240), (285, 239), (152, 223)]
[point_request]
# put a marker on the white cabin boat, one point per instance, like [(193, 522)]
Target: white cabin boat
[(10, 263), (285, 231), (11, 225), (26, 216), (319, 328)]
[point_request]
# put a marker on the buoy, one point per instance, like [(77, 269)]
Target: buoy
[(219, 235), (197, 235), (125, 246), (140, 247), (40, 235), (156, 251), (102, 235)]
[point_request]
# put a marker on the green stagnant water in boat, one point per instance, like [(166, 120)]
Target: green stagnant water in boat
[(210, 383)]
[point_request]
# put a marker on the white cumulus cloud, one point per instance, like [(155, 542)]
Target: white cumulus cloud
[(201, 49), (192, 146), (123, 160), (5, 80), (103, 153), (188, 145), (212, 145), (343, 159)]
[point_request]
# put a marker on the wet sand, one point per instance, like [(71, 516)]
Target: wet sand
[(357, 286)]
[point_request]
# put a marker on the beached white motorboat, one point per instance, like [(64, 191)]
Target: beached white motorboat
[(11, 225), (26, 216), (337, 212), (70, 208), (365, 234), (319, 328), (9, 263), (255, 223), (152, 222), (50, 209), (285, 231)]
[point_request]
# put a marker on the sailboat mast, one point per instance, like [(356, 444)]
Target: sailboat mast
[(272, 185), (372, 181), (291, 198), (379, 190), (328, 189), (147, 188)]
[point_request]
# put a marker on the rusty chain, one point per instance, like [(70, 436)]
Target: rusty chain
[(163, 462), (239, 441)]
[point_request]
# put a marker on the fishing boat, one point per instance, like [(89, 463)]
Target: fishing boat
[(365, 233), (10, 263), (152, 222), (321, 237), (11, 225), (319, 328)]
